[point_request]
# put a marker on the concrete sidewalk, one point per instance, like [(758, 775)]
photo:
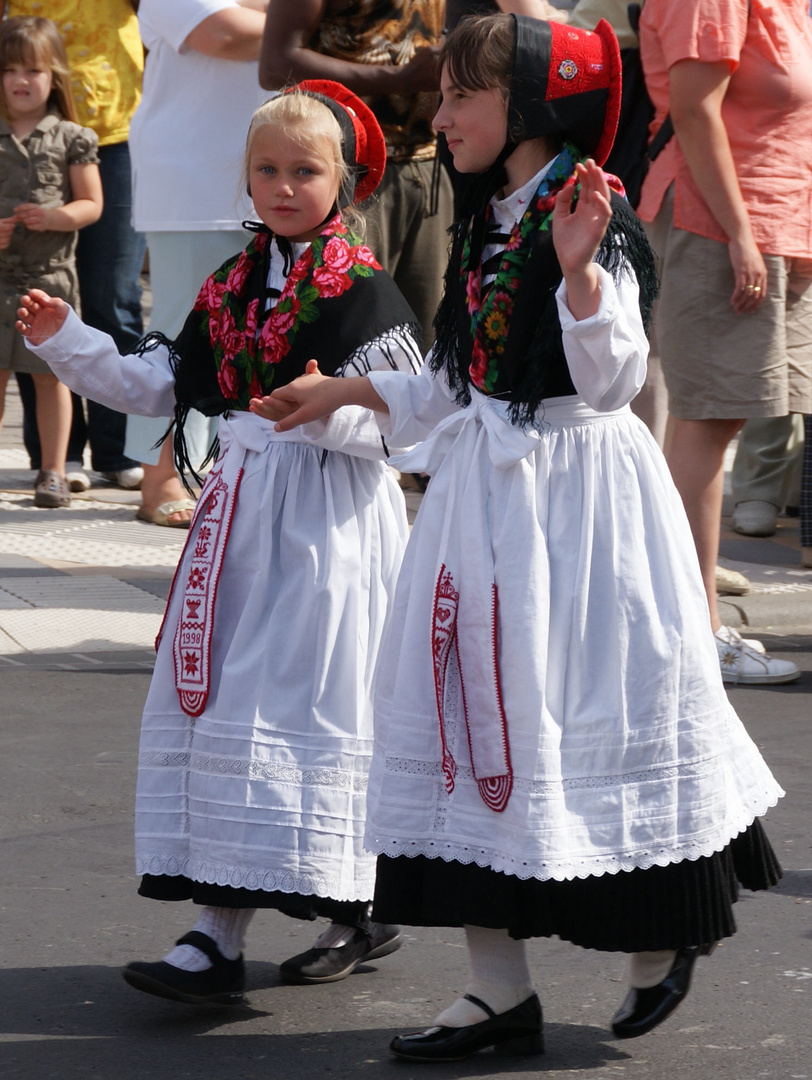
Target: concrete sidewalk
[(780, 598), (85, 586)]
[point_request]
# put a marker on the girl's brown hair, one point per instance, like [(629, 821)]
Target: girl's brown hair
[(31, 40), (479, 52)]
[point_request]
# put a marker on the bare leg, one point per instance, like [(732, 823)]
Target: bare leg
[(161, 484), (696, 454), (54, 416)]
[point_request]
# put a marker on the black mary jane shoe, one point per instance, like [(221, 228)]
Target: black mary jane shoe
[(221, 984), (645, 1008), (515, 1033)]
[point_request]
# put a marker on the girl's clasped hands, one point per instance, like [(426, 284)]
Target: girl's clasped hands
[(32, 215), (577, 234), (308, 398)]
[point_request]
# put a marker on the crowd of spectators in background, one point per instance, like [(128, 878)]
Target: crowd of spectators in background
[(727, 206)]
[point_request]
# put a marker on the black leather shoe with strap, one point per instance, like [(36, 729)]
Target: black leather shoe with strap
[(515, 1033), (221, 984)]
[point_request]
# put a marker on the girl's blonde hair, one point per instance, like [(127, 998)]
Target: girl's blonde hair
[(311, 124), (31, 40)]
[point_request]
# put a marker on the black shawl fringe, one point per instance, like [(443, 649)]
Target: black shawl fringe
[(177, 426)]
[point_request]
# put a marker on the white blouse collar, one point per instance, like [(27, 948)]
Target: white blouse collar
[(511, 209)]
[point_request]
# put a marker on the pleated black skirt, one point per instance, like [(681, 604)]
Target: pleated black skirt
[(665, 907), (163, 887)]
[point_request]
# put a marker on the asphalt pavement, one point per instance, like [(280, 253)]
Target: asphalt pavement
[(81, 598)]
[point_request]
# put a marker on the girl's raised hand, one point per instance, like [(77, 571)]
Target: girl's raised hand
[(39, 316), (577, 234)]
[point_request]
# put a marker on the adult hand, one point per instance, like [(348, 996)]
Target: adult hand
[(39, 316), (750, 273)]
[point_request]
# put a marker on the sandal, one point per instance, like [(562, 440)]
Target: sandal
[(161, 515), (51, 490)]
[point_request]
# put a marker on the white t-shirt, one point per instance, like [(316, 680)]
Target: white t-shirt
[(188, 135)]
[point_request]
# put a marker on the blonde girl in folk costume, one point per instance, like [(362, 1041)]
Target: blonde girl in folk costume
[(49, 187), (257, 731), (554, 750)]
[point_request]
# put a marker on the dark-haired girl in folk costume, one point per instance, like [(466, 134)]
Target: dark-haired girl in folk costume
[(554, 750), (257, 731)]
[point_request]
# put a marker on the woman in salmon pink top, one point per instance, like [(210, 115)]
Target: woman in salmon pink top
[(730, 202)]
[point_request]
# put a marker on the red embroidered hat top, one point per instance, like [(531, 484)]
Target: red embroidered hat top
[(363, 143), (566, 82)]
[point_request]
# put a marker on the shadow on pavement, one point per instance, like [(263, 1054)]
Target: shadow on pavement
[(68, 1023)]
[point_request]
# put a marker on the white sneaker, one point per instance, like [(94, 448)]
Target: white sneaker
[(77, 478), (755, 518), (740, 663), (756, 646), (128, 479)]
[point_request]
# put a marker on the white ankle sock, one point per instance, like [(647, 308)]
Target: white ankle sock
[(649, 968), (225, 926), (335, 936), (501, 977)]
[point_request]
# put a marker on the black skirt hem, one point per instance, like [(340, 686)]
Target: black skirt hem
[(297, 906), (664, 907)]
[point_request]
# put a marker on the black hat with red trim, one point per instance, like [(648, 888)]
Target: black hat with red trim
[(565, 82), (362, 142)]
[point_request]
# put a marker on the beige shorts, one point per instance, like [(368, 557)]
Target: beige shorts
[(719, 365)]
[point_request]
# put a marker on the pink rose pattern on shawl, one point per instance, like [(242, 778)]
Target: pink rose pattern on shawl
[(247, 350), (331, 282)]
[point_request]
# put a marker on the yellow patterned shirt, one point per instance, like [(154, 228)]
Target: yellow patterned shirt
[(106, 59)]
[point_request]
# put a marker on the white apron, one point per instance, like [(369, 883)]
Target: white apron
[(572, 721)]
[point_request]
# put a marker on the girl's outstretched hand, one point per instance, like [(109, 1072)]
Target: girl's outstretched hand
[(39, 316), (577, 234)]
